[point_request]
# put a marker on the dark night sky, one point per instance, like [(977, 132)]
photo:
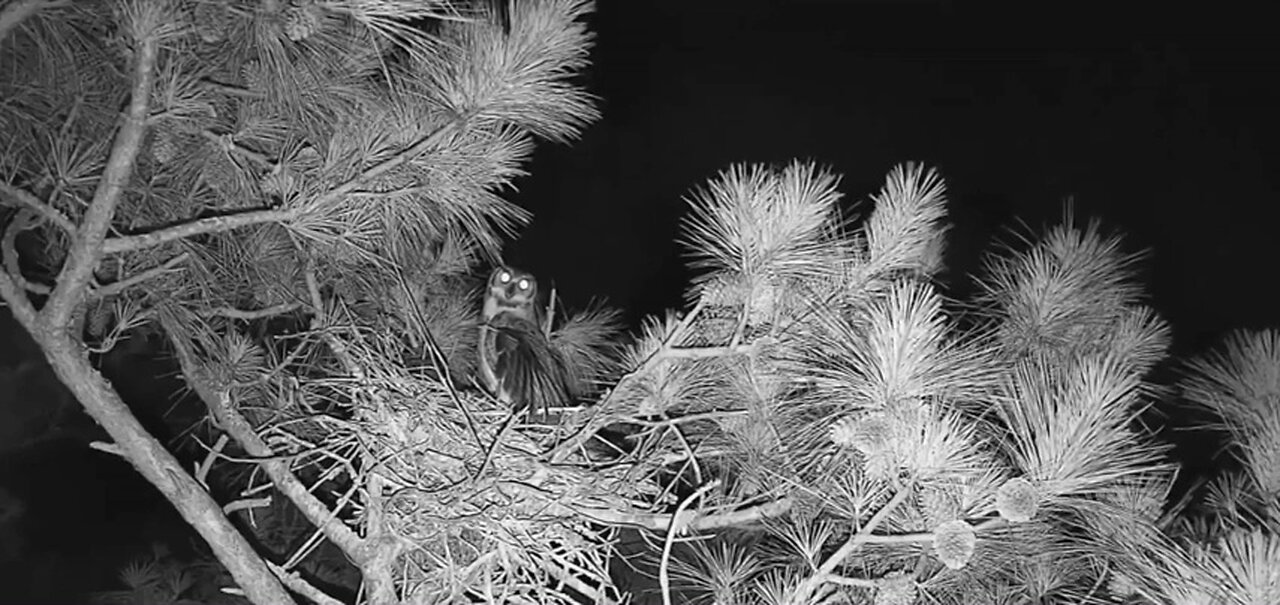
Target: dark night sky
[(1159, 124)]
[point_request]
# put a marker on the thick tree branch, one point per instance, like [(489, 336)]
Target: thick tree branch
[(87, 248), (70, 362)]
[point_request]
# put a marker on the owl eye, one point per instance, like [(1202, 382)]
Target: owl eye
[(524, 284), (504, 277)]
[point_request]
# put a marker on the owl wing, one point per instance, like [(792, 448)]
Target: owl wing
[(526, 370)]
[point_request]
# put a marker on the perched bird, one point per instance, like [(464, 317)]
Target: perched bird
[(517, 362)]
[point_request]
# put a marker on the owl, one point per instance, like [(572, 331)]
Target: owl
[(516, 360)]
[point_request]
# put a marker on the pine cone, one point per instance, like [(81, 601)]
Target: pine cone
[(941, 503), (1017, 500), (954, 543), (896, 588), (278, 184), (251, 75), (220, 172), (99, 319), (868, 434), (302, 22), (211, 20), (164, 146)]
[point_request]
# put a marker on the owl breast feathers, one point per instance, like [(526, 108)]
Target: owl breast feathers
[(517, 362)]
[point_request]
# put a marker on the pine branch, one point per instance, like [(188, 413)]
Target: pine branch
[(802, 593), (219, 224), (599, 419), (117, 287), (88, 245), (15, 13), (215, 224), (25, 198), (694, 522), (300, 585), (239, 428)]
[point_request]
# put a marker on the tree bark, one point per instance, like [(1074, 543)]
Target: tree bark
[(70, 361)]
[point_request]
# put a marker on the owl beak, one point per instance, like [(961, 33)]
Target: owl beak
[(510, 290)]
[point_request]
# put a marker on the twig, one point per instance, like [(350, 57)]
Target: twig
[(202, 471), (678, 523), (442, 370), (599, 419), (826, 571), (709, 352), (551, 314), (213, 224), (246, 504), (226, 141), (124, 284), (662, 522), (232, 313), (296, 583), (49, 213), (109, 448), (855, 582), (677, 420), (925, 537)]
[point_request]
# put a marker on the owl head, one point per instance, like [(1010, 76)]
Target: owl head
[(512, 286)]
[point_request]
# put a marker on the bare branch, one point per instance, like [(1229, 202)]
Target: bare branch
[(698, 522), (108, 448), (27, 199), (213, 224), (124, 284), (679, 523), (296, 583), (281, 309)]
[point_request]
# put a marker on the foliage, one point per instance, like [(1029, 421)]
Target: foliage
[(299, 198), (160, 578)]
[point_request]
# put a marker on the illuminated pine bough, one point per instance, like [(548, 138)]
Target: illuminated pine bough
[(817, 416)]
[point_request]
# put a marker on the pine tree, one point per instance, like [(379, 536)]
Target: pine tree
[(297, 199), (294, 196)]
